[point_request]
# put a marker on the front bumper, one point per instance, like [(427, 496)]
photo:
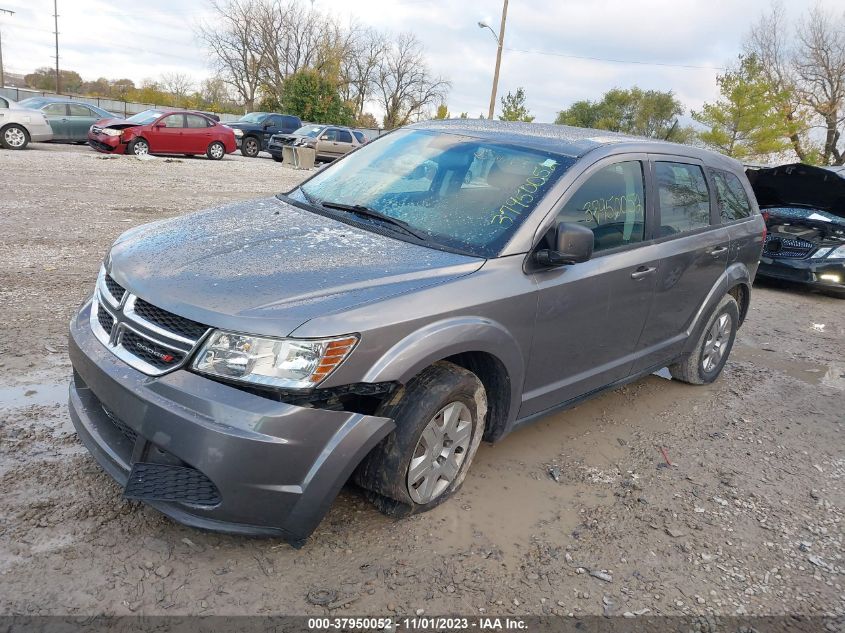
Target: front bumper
[(106, 143), (275, 467), (823, 274)]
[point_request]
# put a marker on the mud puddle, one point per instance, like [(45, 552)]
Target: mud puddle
[(33, 393), (812, 373)]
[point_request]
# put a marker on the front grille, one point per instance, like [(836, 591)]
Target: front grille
[(777, 246), (169, 321), (115, 289), (164, 482), (106, 320), (149, 351)]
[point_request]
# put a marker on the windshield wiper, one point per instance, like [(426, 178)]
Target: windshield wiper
[(360, 209)]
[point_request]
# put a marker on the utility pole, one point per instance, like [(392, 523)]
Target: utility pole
[(2, 73), (500, 40), (56, 20)]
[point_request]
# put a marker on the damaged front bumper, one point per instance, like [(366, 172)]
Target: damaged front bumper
[(210, 455)]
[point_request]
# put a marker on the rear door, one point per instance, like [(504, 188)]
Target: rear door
[(80, 119), (590, 316), (345, 142), (693, 249), (57, 117), (197, 134)]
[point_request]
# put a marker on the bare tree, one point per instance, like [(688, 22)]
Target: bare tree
[(404, 84), (235, 44), (819, 63), (359, 68), (177, 84)]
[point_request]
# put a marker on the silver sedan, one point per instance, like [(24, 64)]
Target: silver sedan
[(19, 126)]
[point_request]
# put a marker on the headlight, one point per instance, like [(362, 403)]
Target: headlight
[(238, 132), (284, 363), (112, 132), (838, 253)]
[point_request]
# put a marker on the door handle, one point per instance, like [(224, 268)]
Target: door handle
[(718, 251), (643, 271)]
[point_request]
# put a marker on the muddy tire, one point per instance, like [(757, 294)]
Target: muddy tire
[(439, 424), (704, 364), (250, 146)]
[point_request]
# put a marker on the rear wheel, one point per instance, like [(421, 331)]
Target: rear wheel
[(138, 147), (250, 147), (216, 150), (704, 364), (14, 136), (439, 424)]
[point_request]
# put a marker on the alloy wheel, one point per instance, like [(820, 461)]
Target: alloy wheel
[(716, 342), (440, 453), (216, 150), (251, 147), (141, 148), (14, 137)]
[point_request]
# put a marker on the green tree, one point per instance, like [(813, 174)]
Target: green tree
[(747, 121), (366, 120), (313, 97), (45, 79), (442, 112), (650, 113), (513, 107)]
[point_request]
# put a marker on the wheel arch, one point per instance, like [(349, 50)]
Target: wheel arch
[(736, 280)]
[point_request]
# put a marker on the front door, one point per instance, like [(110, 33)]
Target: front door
[(165, 135), (327, 143), (693, 255), (270, 126), (80, 119), (590, 315)]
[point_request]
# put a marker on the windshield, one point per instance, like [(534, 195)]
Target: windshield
[(461, 192), (309, 130), (146, 117), (253, 117)]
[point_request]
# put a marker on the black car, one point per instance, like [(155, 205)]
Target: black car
[(804, 209), (253, 130)]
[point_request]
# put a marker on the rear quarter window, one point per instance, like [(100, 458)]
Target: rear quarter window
[(730, 197)]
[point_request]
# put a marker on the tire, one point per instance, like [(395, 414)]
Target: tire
[(250, 146), (216, 150), (394, 473), (277, 159), (14, 136), (138, 147), (704, 364)]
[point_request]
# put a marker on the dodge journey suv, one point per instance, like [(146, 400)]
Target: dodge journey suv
[(440, 286)]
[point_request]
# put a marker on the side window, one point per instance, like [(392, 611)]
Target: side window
[(79, 110), (344, 136), (291, 123), (55, 109), (272, 121), (731, 197), (330, 135), (174, 120), (683, 198), (196, 121), (612, 204)]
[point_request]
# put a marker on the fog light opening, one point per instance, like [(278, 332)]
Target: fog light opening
[(831, 277)]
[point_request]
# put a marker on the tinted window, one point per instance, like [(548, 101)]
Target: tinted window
[(55, 109), (344, 136), (291, 122), (683, 198), (360, 136), (612, 204), (731, 196), (272, 121), (195, 120), (80, 110), (174, 120)]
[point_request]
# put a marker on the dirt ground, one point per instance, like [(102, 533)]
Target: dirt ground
[(577, 514)]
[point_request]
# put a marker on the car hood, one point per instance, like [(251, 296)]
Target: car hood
[(799, 185), (267, 267), (115, 123), (236, 125)]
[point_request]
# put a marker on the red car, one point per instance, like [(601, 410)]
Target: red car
[(163, 132)]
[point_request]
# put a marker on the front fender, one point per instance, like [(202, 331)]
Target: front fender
[(449, 337)]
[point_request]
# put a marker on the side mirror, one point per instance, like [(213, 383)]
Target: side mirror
[(573, 245), (160, 125), (267, 124)]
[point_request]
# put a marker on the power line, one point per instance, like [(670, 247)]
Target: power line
[(614, 61)]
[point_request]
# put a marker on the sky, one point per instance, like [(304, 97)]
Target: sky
[(559, 51)]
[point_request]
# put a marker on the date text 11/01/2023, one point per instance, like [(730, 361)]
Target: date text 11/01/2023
[(418, 623)]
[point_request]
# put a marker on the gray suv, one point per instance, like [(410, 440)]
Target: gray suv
[(446, 283)]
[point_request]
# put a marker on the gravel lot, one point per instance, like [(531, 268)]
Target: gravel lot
[(578, 514)]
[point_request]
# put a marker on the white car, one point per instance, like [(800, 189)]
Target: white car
[(19, 126)]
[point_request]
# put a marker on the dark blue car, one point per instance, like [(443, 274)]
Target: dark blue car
[(253, 130)]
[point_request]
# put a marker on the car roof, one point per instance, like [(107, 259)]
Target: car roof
[(570, 141)]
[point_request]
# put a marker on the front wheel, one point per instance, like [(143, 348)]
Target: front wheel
[(14, 137), (704, 364), (216, 150), (138, 147), (439, 424), (250, 147)]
